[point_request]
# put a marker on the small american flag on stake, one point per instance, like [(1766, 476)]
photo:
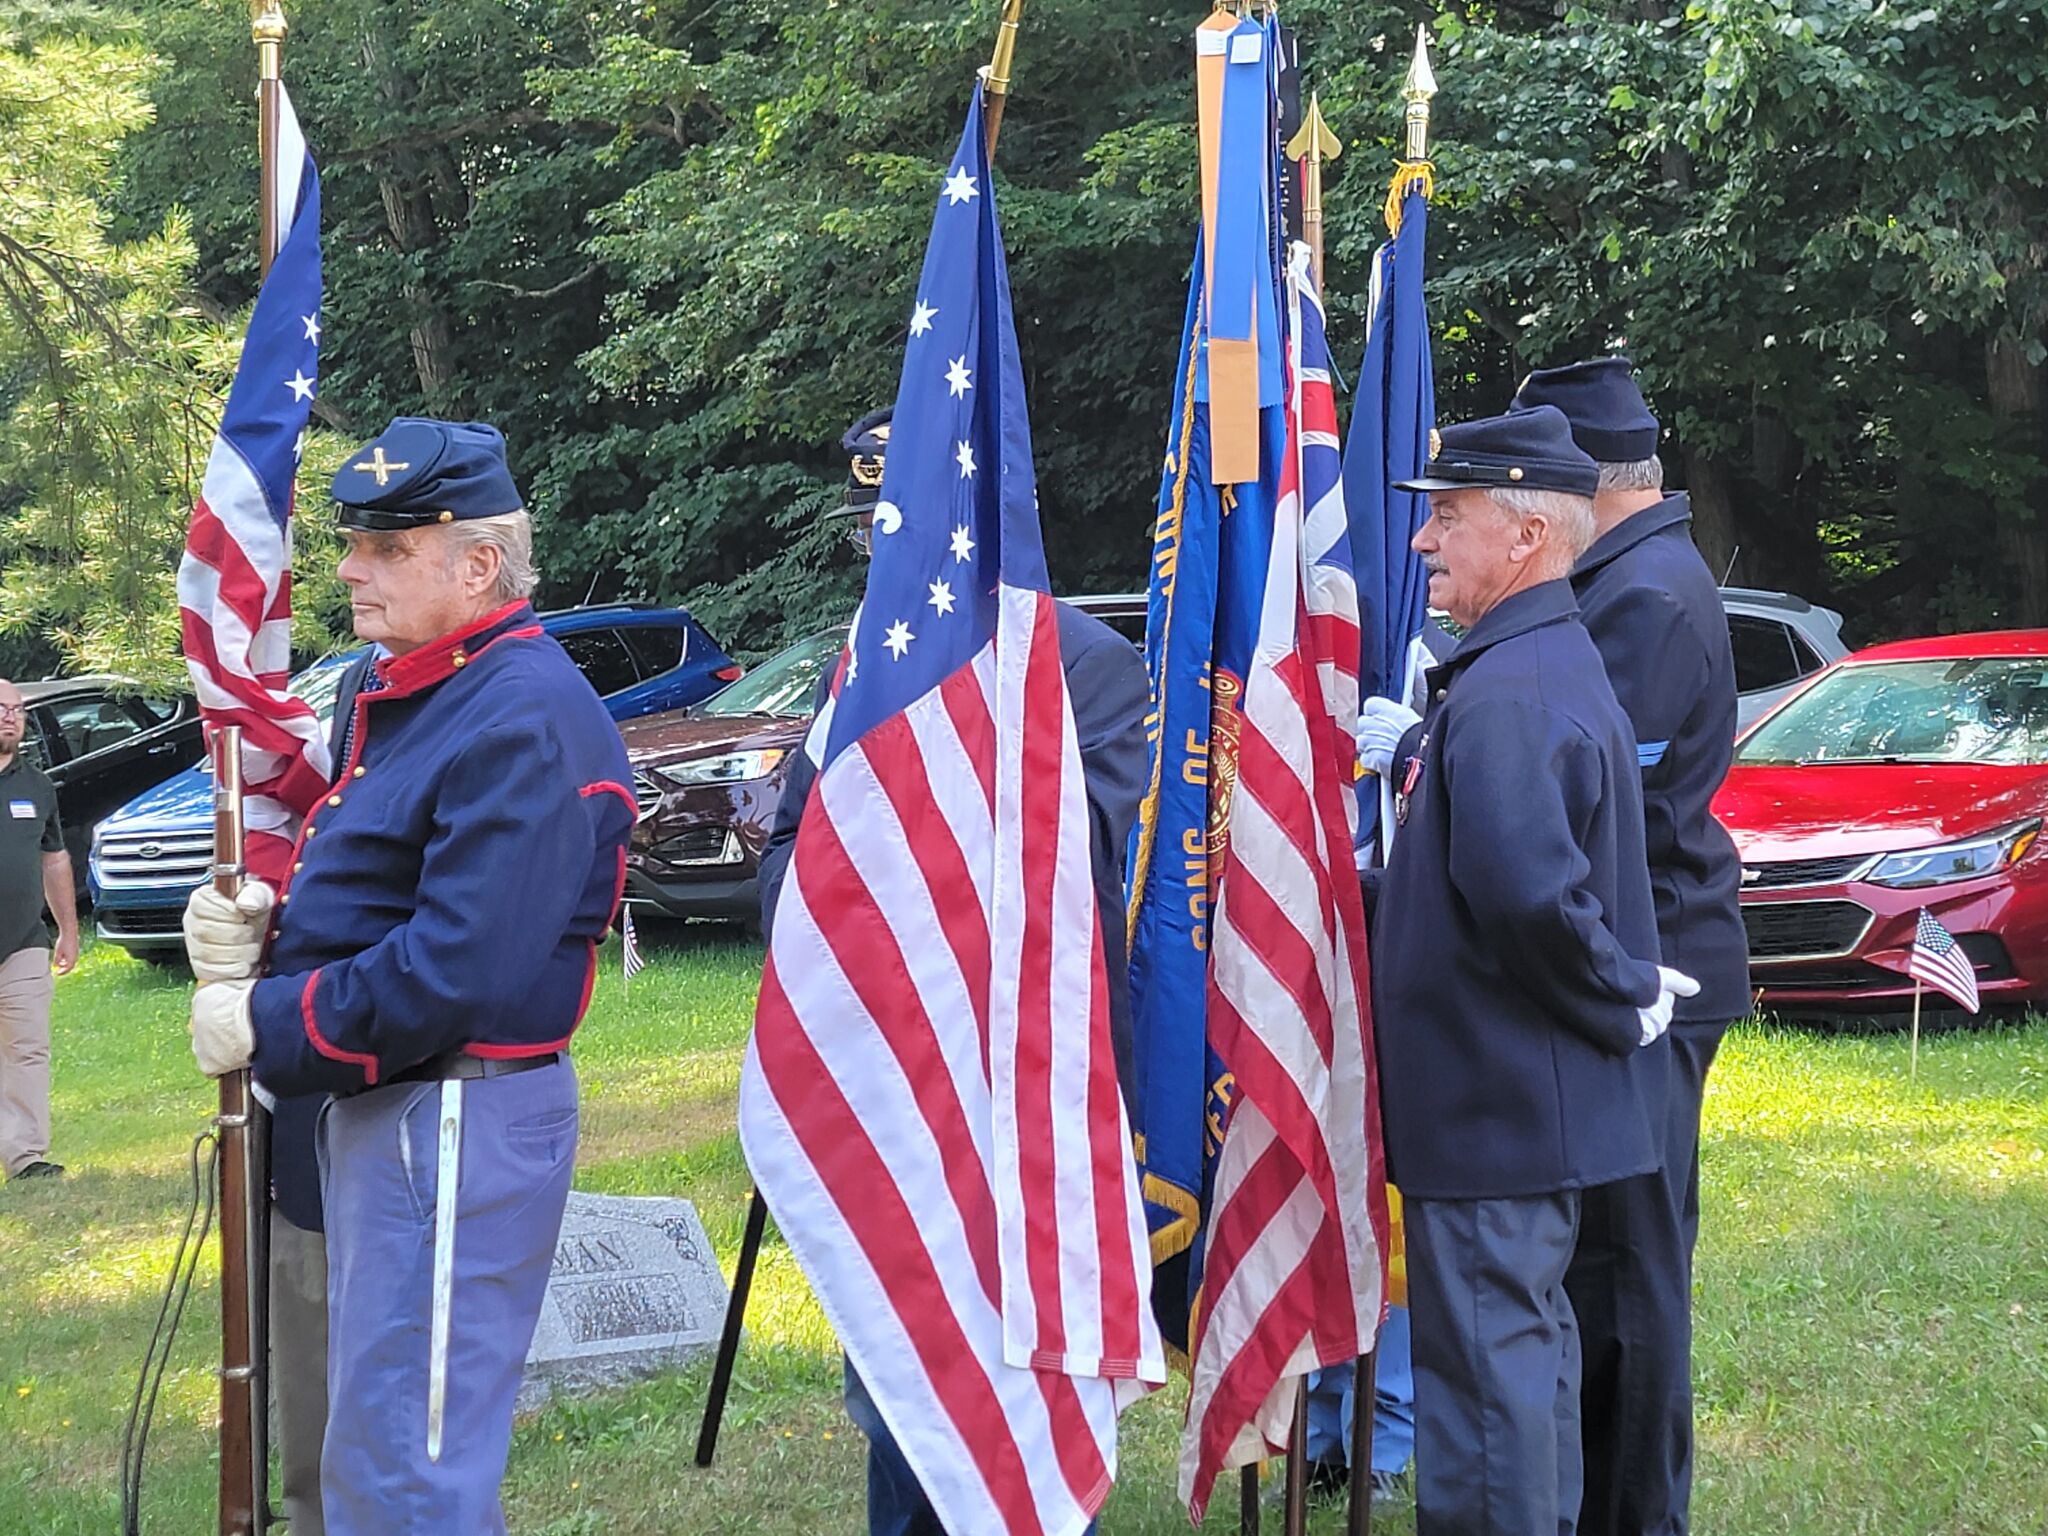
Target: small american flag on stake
[(634, 964), (1937, 959)]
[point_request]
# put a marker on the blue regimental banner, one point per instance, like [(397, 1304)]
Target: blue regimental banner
[(1169, 860)]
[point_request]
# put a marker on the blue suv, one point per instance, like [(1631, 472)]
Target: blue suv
[(148, 855)]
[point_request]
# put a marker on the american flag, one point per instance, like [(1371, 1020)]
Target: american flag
[(1937, 959), (235, 581), (929, 1101), (1296, 1266), (631, 942)]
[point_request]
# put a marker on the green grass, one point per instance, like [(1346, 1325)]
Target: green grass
[(1872, 1294)]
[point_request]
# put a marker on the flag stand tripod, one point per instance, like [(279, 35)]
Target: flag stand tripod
[(729, 1335)]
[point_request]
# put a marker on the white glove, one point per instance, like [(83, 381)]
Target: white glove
[(222, 1036), (1671, 986), (224, 937), (1381, 725)]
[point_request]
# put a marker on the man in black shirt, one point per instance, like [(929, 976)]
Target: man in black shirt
[(34, 870)]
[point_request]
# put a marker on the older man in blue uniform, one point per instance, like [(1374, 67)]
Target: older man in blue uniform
[(430, 956), (1515, 978), (1106, 680), (1655, 615)]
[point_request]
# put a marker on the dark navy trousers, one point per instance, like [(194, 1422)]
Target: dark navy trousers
[(379, 1179), (1496, 1365), (1631, 1287)]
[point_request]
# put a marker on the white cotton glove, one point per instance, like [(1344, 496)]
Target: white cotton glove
[(222, 1036), (1381, 725), (223, 936), (1671, 986)]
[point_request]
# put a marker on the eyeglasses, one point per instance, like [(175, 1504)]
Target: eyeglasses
[(18, 711)]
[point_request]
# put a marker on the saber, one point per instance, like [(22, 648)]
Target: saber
[(448, 1176)]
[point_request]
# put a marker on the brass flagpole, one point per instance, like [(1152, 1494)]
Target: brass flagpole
[(1314, 144), (996, 73)]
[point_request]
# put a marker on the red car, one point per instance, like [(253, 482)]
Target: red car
[(1906, 776)]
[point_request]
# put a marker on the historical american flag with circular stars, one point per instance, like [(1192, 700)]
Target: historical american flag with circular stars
[(930, 1077), (235, 581)]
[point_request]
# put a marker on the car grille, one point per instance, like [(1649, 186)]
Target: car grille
[(1765, 877), (131, 859), (647, 792), (140, 922), (710, 844), (1788, 930)]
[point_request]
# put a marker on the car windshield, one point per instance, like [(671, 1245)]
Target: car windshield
[(783, 684), (1990, 710), (318, 685)]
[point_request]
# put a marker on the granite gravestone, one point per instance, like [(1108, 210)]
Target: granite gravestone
[(635, 1289)]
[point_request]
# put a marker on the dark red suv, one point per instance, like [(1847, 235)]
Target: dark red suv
[(708, 778)]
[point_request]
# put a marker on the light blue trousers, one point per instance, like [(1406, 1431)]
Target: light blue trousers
[(379, 1180)]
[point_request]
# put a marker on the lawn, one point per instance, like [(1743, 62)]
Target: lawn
[(1872, 1295)]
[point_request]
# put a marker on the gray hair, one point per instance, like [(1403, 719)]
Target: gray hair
[(511, 535), (1570, 516), (1637, 475)]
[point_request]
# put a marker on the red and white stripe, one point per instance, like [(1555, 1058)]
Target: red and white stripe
[(235, 607), (929, 1101), (1296, 1269)]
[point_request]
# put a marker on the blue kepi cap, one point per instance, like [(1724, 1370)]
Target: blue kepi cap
[(418, 472), (1599, 398), (1528, 450)]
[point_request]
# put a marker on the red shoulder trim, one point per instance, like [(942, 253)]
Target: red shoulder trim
[(613, 787), (320, 1043)]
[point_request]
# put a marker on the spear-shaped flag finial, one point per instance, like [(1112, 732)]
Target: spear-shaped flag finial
[(1417, 89)]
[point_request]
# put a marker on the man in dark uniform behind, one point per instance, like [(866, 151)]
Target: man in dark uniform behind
[(430, 958), (1515, 978), (1106, 680), (1653, 610)]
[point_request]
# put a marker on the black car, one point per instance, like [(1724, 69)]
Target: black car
[(102, 744)]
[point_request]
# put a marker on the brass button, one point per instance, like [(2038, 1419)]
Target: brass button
[(298, 866), (1515, 474), (311, 832), (334, 799), (284, 897), (1440, 694), (461, 660), (360, 771), (447, 516)]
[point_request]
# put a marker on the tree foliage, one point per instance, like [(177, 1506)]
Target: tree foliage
[(106, 375), (670, 251)]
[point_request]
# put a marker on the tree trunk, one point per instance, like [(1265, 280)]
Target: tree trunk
[(2017, 400), (1712, 490), (403, 182)]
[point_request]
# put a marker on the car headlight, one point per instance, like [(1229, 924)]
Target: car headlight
[(727, 768), (1951, 862)]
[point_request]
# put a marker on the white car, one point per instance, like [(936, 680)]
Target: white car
[(1778, 640)]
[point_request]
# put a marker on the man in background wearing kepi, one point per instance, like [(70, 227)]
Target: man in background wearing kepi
[(1515, 977), (1651, 605), (429, 959)]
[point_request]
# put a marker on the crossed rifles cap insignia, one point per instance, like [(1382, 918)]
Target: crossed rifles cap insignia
[(383, 468)]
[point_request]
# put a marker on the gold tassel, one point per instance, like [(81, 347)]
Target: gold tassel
[(1413, 176)]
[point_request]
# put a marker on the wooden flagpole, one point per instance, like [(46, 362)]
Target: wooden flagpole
[(242, 1124)]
